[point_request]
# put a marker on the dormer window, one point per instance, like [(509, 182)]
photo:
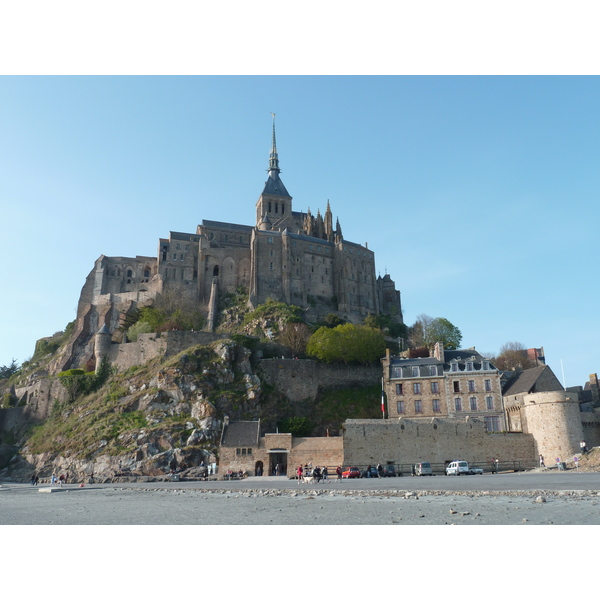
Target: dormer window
[(415, 371), (454, 367), (469, 366), (485, 365), (432, 370)]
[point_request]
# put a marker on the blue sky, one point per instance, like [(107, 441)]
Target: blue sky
[(478, 194)]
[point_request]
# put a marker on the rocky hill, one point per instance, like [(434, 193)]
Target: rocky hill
[(161, 415)]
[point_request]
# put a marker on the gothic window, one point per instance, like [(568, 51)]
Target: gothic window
[(129, 273), (216, 271), (146, 273), (282, 208), (269, 207), (276, 207)]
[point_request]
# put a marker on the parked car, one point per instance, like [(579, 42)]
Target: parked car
[(423, 468), (351, 473), (475, 471), (389, 471), (370, 472), (458, 467)]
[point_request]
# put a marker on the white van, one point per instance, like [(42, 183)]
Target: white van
[(458, 467), (423, 468)]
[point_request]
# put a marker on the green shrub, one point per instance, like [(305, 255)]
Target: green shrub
[(350, 344)]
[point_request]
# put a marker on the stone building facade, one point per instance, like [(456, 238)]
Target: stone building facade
[(243, 449), (448, 383), (287, 256)]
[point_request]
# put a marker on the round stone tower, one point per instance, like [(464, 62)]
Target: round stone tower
[(102, 341), (554, 420)]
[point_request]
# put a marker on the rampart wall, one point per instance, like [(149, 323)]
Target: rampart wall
[(301, 379), (435, 440), (151, 345)]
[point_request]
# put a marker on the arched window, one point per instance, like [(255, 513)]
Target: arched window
[(216, 271)]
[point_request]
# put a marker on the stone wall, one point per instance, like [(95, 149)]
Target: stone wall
[(301, 379), (406, 441), (151, 345), (590, 423)]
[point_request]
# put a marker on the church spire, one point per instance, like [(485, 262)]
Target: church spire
[(274, 186), (273, 158)]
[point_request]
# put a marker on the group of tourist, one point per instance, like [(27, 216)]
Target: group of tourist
[(317, 473)]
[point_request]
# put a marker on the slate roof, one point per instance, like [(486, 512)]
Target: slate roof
[(241, 433), (274, 186), (221, 225), (524, 381), (459, 356)]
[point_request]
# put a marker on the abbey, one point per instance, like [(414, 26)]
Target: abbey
[(287, 256)]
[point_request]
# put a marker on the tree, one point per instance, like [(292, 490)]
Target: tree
[(295, 336), (513, 357), (357, 344), (426, 331), (74, 381), (332, 320), (8, 370)]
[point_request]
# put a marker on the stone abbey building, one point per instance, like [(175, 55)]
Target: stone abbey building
[(288, 256)]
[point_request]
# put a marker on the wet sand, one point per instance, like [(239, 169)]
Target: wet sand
[(112, 505)]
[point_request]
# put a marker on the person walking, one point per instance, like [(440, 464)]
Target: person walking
[(542, 461), (339, 472), (300, 471)]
